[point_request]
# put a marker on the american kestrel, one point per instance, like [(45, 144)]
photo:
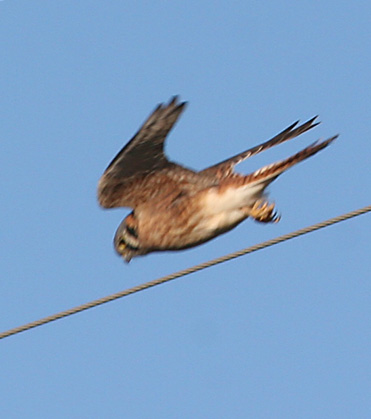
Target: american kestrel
[(177, 208)]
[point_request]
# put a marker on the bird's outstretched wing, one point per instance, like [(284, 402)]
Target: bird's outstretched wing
[(267, 174), (226, 167), (142, 155)]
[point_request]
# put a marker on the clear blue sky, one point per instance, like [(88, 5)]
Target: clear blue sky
[(282, 333)]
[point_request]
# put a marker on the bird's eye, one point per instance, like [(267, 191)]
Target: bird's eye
[(122, 244)]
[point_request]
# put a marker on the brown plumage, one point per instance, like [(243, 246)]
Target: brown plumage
[(174, 207)]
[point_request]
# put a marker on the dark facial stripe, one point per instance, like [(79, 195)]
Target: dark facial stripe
[(132, 231)]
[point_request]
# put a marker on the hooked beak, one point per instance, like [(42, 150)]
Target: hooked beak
[(127, 258)]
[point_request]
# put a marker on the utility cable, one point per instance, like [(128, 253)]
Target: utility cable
[(185, 272)]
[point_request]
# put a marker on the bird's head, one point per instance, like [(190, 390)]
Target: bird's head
[(126, 239)]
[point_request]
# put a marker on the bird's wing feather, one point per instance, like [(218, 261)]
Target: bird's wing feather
[(267, 174), (142, 156), (225, 167)]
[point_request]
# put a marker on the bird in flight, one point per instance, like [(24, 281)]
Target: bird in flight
[(177, 208)]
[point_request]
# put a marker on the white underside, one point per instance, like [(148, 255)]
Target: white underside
[(228, 208)]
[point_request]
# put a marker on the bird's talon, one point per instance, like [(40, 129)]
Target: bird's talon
[(263, 212)]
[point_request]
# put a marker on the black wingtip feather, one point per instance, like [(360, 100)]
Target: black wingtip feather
[(174, 101)]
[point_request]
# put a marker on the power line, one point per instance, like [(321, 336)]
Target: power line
[(185, 272)]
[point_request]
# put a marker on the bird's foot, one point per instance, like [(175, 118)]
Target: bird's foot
[(263, 212)]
